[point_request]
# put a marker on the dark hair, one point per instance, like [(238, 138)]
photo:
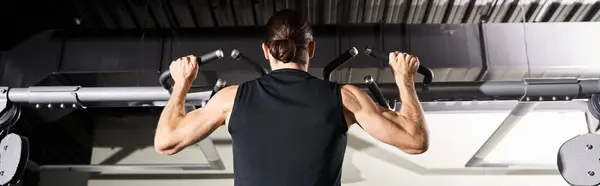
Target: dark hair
[(287, 36)]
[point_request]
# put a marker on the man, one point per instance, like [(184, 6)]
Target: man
[(288, 127)]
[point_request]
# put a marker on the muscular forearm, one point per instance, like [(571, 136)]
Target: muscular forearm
[(411, 109), (172, 113)]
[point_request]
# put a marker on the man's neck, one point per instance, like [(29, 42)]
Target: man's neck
[(290, 66)]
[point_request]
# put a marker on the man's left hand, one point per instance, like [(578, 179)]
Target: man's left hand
[(184, 70)]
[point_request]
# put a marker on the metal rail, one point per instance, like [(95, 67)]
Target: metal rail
[(554, 89)]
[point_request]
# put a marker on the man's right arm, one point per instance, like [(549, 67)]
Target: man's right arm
[(407, 131), (387, 126)]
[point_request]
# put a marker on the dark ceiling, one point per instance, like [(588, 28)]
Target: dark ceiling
[(23, 18), (130, 14)]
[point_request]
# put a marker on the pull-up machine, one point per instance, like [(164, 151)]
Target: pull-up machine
[(578, 158), (526, 91)]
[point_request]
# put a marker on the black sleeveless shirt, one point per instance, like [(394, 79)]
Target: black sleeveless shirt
[(288, 129)]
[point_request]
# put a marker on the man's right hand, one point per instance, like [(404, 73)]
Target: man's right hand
[(403, 66)]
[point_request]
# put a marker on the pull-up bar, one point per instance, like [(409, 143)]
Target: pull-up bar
[(423, 70), (237, 55), (534, 89), (547, 89), (337, 62), (204, 59)]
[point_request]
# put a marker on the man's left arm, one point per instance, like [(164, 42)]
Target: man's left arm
[(177, 130)]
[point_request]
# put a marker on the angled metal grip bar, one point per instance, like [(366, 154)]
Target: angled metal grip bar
[(237, 55), (204, 59), (218, 86), (426, 72), (337, 62), (376, 92)]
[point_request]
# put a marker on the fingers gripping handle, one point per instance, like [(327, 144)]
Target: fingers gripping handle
[(206, 58), (374, 89), (337, 62), (237, 55), (423, 70)]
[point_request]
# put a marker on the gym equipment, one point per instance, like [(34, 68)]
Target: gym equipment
[(594, 106), (426, 72), (14, 155), (578, 161), (376, 92), (337, 62), (237, 55), (549, 89), (369, 81), (9, 116), (204, 59), (578, 158), (526, 91)]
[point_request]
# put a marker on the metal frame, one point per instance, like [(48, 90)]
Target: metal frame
[(528, 93), (400, 161), (69, 95), (553, 89), (592, 123), (533, 92), (207, 146), (517, 113), (454, 107)]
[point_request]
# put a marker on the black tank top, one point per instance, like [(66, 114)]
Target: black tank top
[(288, 129)]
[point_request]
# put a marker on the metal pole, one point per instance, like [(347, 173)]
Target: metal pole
[(128, 167), (75, 94), (499, 106), (511, 120), (501, 90), (497, 90), (208, 147)]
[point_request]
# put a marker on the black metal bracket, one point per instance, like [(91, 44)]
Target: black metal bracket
[(10, 113), (594, 105)]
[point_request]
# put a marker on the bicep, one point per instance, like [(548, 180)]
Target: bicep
[(376, 121), (381, 123), (200, 123)]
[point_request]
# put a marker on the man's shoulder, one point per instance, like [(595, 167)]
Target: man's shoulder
[(252, 81), (226, 94)]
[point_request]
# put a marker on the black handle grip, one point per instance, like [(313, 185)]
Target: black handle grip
[(337, 62), (426, 72), (204, 59), (237, 55), (218, 86), (374, 89)]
